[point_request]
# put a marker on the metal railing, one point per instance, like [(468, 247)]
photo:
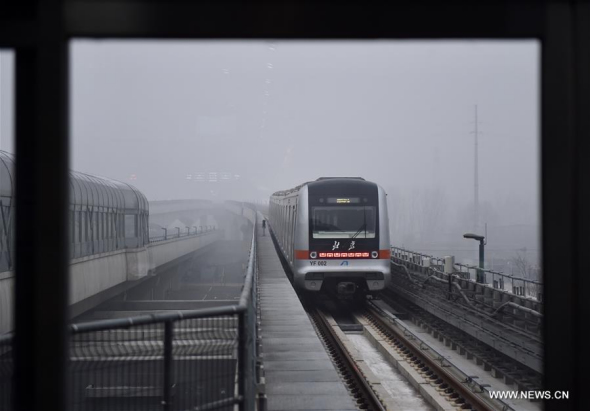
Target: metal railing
[(166, 361), (498, 280), (178, 232), (191, 360), (516, 285), (415, 257)]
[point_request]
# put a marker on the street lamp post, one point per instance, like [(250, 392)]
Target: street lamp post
[(480, 275)]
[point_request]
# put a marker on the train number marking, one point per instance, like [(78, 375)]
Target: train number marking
[(322, 263)]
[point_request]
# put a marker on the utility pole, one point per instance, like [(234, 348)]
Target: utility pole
[(476, 179)]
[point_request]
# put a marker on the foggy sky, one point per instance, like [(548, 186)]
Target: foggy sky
[(398, 113)]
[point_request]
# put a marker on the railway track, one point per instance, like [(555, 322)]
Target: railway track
[(499, 365), (497, 337), (458, 389), (442, 385), (354, 379)]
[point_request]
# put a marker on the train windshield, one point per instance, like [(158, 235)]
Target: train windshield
[(343, 222)]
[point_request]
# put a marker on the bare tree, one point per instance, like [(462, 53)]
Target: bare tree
[(416, 215), (432, 210), (522, 264)]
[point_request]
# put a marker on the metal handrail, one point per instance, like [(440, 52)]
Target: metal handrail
[(467, 266), (246, 336), (410, 252), (500, 273), (527, 288), (167, 237), (111, 324), (246, 312)]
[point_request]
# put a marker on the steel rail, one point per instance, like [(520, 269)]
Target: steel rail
[(475, 399), (328, 333), (527, 347), (495, 359)]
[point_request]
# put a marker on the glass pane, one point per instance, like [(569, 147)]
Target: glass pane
[(7, 101), (445, 133), (344, 222), (7, 184)]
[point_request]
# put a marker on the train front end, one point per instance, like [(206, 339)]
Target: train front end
[(347, 238)]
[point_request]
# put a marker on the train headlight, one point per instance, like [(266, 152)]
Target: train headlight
[(374, 254), (313, 254)]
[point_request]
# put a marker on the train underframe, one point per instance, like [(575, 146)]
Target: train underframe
[(344, 285)]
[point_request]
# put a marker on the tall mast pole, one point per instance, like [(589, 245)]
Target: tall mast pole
[(476, 180)]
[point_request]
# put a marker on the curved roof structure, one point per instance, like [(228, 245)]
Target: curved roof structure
[(85, 189), (322, 181)]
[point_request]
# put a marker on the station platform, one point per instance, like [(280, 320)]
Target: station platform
[(298, 372)]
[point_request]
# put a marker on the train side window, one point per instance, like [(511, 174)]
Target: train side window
[(290, 237), (283, 215), (294, 218), (292, 232)]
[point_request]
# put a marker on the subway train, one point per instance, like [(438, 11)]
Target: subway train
[(334, 234)]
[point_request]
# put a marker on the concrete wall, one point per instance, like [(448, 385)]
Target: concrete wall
[(92, 275), (96, 273), (165, 251)]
